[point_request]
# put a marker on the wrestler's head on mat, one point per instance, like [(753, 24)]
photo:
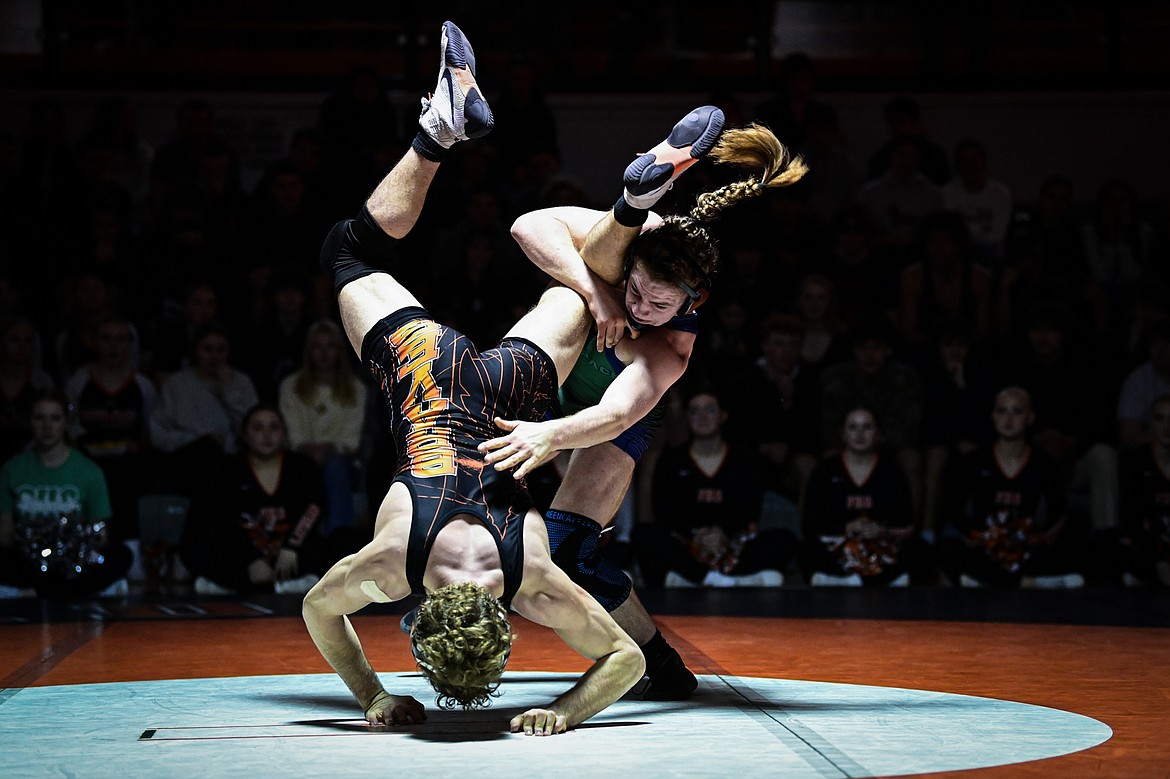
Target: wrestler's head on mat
[(461, 641)]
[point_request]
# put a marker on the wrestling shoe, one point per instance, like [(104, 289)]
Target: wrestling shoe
[(650, 176), (667, 679), (456, 111)]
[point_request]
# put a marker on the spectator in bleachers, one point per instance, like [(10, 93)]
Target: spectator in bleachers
[(356, 120), (482, 217), (115, 122), (256, 524), (788, 114), (105, 244), (49, 482), (306, 154), (182, 238), (903, 117), (1144, 475), (1117, 242), (283, 226), (782, 428), (900, 199), (1045, 260), (276, 338), (199, 411), (324, 407), (956, 392), (818, 309), (706, 501), (21, 378), (726, 343), (1148, 381), (833, 178), (748, 274), (87, 301), (858, 515), (866, 281), (984, 202), (112, 402), (946, 282), (1073, 402), (1004, 518), (889, 387), (477, 297), (1147, 305), (169, 339), (523, 118), (194, 136)]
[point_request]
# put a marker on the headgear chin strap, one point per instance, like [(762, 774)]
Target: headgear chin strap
[(695, 297)]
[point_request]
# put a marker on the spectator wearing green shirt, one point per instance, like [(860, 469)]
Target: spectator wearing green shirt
[(54, 514)]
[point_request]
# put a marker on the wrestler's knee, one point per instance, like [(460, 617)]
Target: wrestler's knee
[(355, 248), (575, 544)]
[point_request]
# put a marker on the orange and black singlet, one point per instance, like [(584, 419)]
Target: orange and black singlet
[(442, 395)]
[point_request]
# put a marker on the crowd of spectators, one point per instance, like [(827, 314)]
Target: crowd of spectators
[(899, 290)]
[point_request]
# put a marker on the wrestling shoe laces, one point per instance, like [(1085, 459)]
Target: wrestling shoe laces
[(456, 111), (650, 176)]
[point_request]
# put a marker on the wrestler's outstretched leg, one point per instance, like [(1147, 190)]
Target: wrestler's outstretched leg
[(570, 517), (357, 250), (645, 181)]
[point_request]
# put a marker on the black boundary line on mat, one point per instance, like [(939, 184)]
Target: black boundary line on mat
[(49, 658), (806, 743), (152, 734)]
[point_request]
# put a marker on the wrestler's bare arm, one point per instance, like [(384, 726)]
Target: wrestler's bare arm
[(548, 597), (349, 586), (553, 239), (658, 361)]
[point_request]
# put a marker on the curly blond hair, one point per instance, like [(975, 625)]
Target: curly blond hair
[(682, 250), (461, 641)]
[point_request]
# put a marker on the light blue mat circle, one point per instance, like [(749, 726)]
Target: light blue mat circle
[(307, 725)]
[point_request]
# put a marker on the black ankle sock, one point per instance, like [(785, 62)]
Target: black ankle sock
[(628, 216), (428, 147), (656, 648)]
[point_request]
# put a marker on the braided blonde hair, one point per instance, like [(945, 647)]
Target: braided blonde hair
[(753, 146), (682, 250)]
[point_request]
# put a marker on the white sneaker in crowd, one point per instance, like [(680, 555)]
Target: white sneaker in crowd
[(298, 586), (205, 586), (675, 580), (825, 580), (119, 589)]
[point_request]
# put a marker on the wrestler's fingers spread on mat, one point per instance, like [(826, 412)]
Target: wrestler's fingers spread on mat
[(539, 722)]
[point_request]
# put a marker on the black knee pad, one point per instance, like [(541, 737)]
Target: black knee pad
[(573, 541), (351, 246)]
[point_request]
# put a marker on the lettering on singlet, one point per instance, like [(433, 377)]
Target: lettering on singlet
[(428, 448)]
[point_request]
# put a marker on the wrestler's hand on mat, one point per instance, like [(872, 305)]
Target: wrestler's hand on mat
[(387, 709), (539, 722), (528, 445), (608, 309)]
